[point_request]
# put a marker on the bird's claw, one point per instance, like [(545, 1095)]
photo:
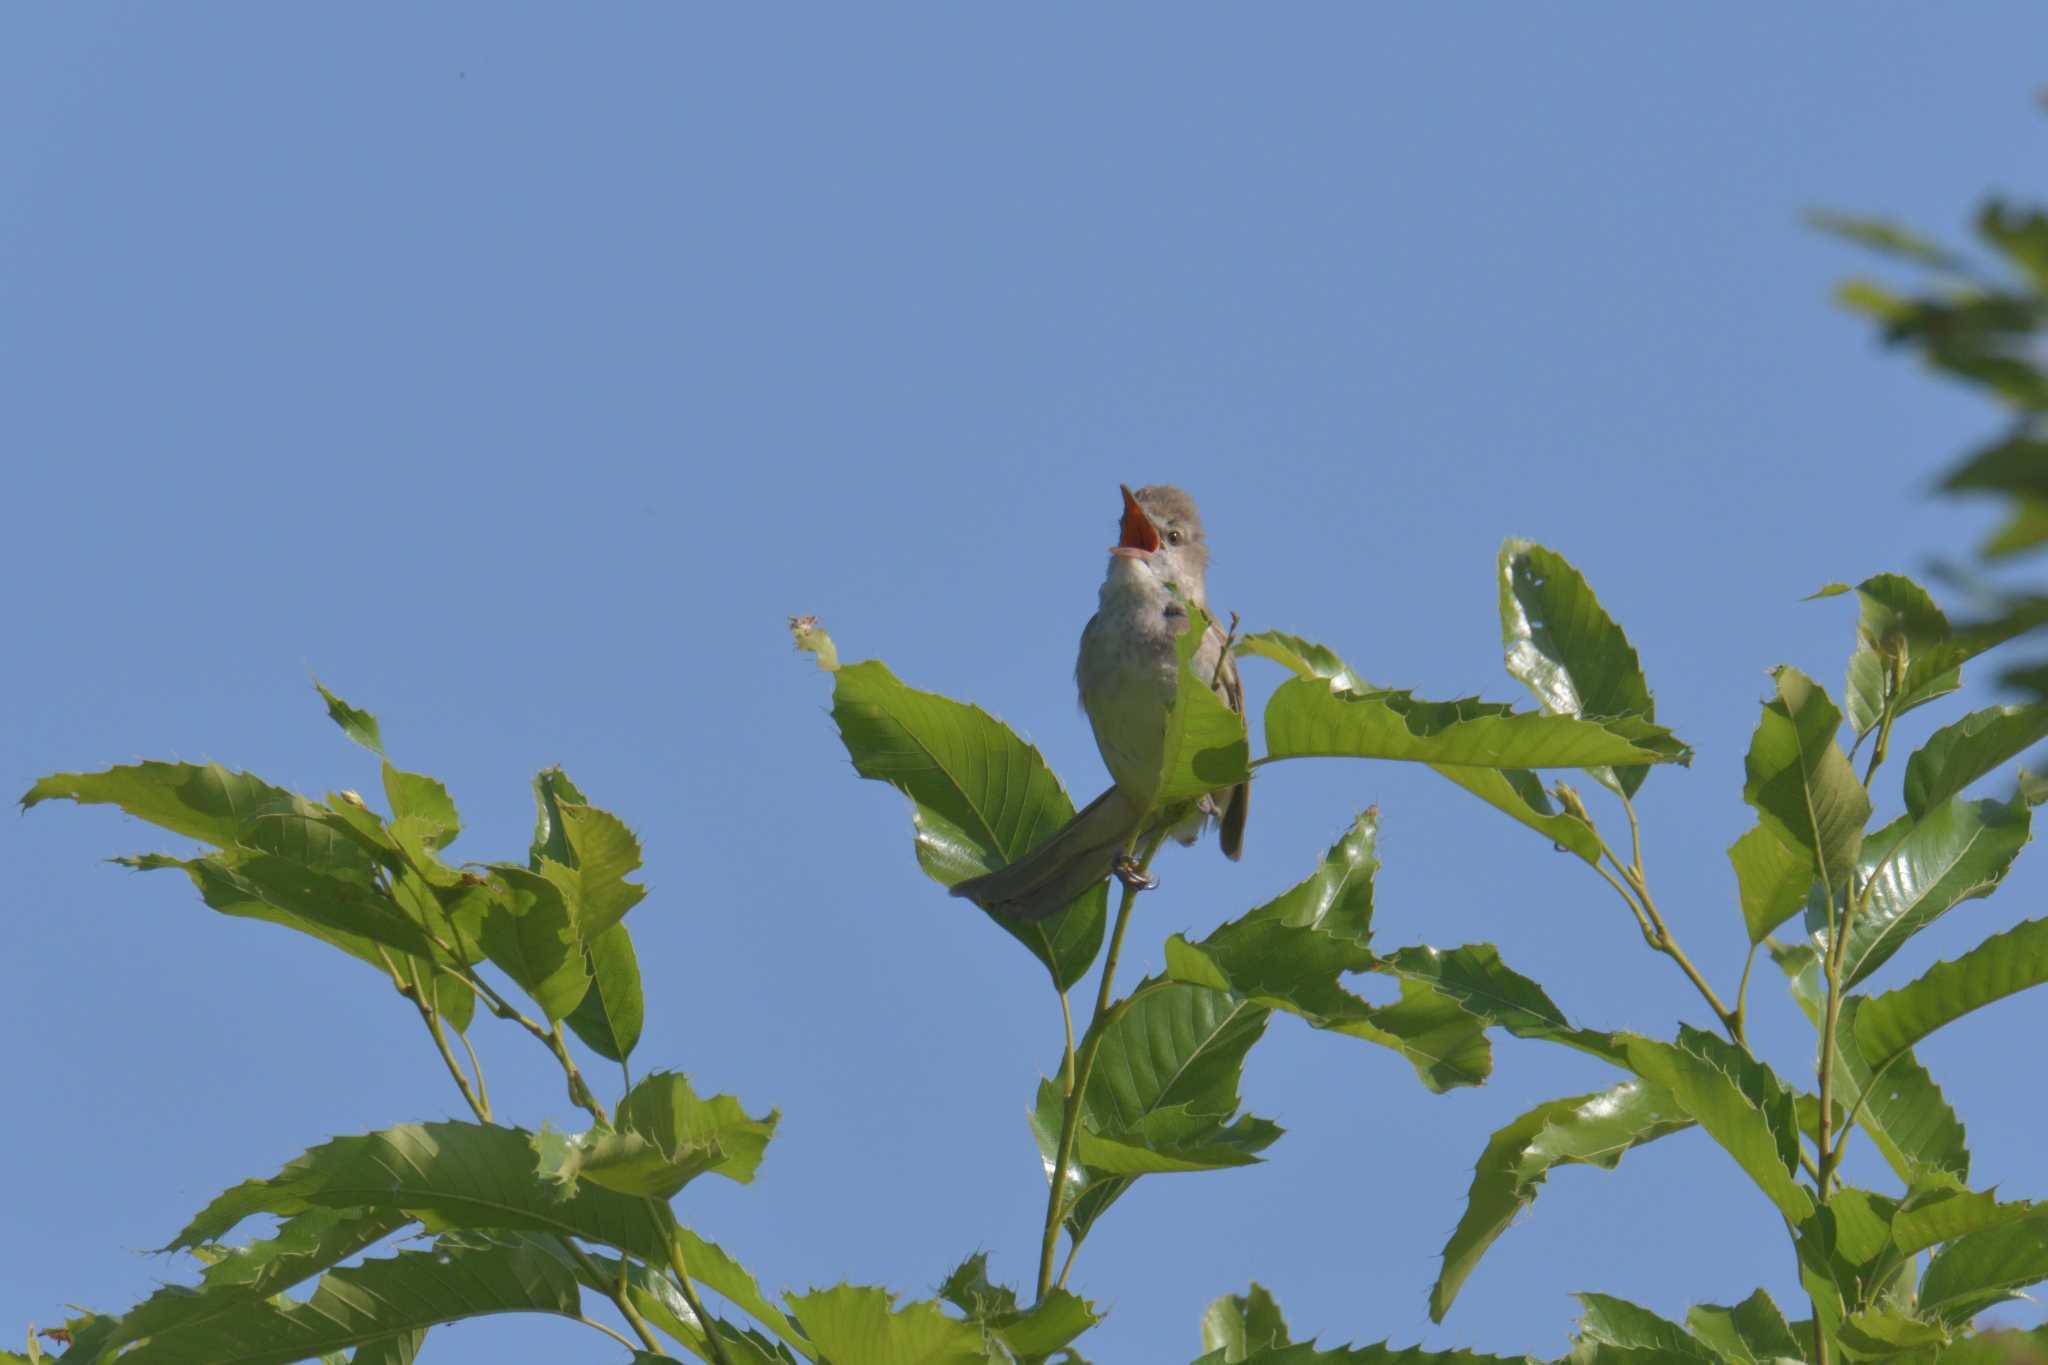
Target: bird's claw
[(1130, 874)]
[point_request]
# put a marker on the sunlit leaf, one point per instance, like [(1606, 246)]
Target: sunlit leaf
[(1595, 1130), (204, 802), (1930, 1217), (661, 1138), (1905, 1113), (358, 725), (861, 1326), (1985, 1268), (1238, 1324), (1738, 1101), (1771, 877), (1302, 658), (1800, 781), (1918, 872), (1565, 648), (420, 808), (1630, 1327), (529, 935), (1898, 621), (1753, 1332), (2001, 965), (1205, 746), (1519, 793), (1307, 719), (981, 798)]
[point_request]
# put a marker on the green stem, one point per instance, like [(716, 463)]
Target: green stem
[(1070, 1115), (618, 1295), (681, 1272)]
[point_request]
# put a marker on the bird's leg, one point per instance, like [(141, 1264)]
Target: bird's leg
[(1131, 873)]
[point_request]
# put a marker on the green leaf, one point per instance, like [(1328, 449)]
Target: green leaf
[(1931, 1216), (1290, 954), (451, 1175), (1308, 1353), (1753, 1332), (1238, 1324), (369, 1303), (2001, 965), (861, 1326), (1161, 1096), (1800, 781), (602, 851), (609, 1018), (1593, 1130), (359, 726), (1045, 1327), (1771, 878), (421, 809), (552, 789), (1738, 1101), (1984, 1268), (1519, 793), (980, 798), (1897, 619), (1565, 648), (1906, 1114), (1307, 719), (1302, 658), (207, 803), (1497, 996), (1880, 234), (1919, 872), (1205, 748), (529, 935), (1886, 1331), (661, 1138), (1619, 1323), (1957, 755)]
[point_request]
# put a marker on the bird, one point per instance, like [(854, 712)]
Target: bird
[(1128, 672)]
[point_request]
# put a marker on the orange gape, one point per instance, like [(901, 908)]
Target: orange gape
[(1138, 531)]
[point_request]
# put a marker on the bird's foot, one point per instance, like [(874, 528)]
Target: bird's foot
[(1130, 874)]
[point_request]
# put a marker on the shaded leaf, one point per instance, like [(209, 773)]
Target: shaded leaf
[(1898, 621), (450, 1174), (421, 809), (1565, 648), (602, 852), (1931, 1216), (981, 798), (1772, 879), (1238, 1324), (1302, 658), (203, 802), (1999, 966), (1753, 1332), (371, 1302), (1595, 1130), (1630, 1327), (1205, 747), (529, 935), (1497, 996), (1519, 793)]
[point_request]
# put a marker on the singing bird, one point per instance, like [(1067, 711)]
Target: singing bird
[(1128, 672)]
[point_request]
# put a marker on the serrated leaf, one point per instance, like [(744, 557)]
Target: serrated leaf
[(1617, 1322), (1896, 618), (1771, 878), (1307, 719), (1595, 1130), (1957, 755), (371, 1302), (1291, 953), (1985, 1268), (1885, 1331), (981, 798), (420, 807), (1918, 872), (1800, 781), (204, 802), (1753, 1332), (1565, 648), (451, 1175), (1302, 658), (1930, 1217), (1905, 1114), (1738, 1101), (1497, 996), (1519, 793), (603, 852), (853, 1325), (612, 1011), (1238, 1324), (661, 1138), (1038, 1331), (358, 725), (529, 935), (2001, 965)]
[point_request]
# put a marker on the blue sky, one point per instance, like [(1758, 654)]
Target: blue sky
[(521, 373)]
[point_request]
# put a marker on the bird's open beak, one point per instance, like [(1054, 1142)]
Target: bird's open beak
[(1140, 537)]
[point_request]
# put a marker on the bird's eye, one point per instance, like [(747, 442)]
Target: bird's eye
[(1173, 537)]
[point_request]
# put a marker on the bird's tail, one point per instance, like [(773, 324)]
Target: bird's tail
[(1048, 878)]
